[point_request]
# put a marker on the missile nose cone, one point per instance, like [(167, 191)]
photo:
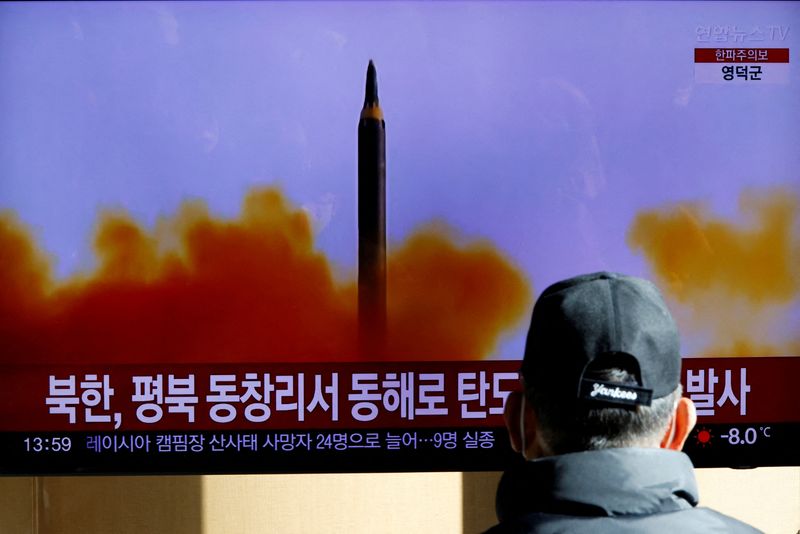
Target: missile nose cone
[(371, 94)]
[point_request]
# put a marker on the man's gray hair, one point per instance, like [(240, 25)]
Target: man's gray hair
[(566, 430)]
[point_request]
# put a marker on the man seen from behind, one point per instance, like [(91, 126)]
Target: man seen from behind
[(601, 419)]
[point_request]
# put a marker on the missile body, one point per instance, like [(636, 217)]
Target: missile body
[(371, 222)]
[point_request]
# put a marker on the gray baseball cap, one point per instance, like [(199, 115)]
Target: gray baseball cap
[(599, 321)]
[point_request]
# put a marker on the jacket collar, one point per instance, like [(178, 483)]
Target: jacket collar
[(610, 482)]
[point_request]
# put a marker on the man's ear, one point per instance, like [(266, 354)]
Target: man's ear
[(511, 414), (522, 426), (680, 426)]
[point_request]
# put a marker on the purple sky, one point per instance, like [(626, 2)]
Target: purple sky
[(541, 127)]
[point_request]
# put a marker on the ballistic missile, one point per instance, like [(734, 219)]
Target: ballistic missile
[(371, 221)]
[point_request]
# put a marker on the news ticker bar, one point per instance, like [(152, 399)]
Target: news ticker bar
[(384, 450), (278, 451)]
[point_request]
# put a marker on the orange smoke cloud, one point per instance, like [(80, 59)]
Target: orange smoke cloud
[(731, 284), (444, 299), (201, 289)]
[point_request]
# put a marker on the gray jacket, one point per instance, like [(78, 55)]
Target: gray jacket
[(613, 490)]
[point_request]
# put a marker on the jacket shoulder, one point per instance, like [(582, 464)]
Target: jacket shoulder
[(690, 521)]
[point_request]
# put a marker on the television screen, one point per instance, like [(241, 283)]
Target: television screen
[(306, 237)]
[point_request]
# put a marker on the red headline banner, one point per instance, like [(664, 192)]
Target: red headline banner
[(339, 396)]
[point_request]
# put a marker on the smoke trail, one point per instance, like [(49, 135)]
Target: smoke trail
[(733, 284), (198, 288)]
